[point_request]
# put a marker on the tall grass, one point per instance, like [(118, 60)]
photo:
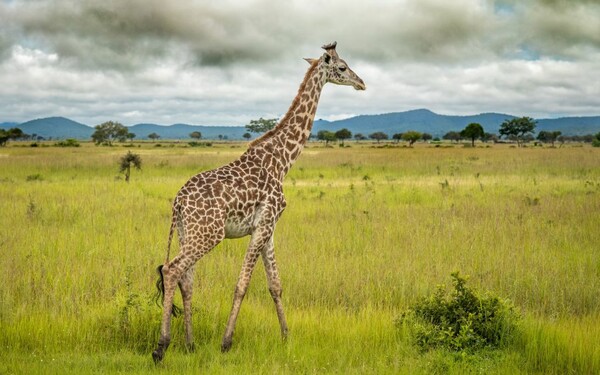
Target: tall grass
[(366, 233)]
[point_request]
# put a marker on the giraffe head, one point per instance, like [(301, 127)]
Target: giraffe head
[(336, 69)]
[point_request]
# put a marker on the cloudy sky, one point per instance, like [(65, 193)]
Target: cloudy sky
[(216, 62)]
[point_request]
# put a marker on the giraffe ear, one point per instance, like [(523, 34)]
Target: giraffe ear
[(309, 60), (326, 57)]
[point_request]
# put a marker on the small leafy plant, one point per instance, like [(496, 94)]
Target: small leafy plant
[(462, 320), (127, 161)]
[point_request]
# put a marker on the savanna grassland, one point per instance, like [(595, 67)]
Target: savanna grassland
[(367, 232)]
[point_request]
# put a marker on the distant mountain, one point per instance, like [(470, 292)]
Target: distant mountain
[(421, 120), (8, 125), (570, 125), (56, 127)]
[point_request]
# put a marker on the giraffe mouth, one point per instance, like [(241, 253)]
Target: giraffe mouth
[(359, 86)]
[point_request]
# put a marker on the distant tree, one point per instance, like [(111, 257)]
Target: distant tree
[(548, 136), (6, 135), (411, 137), (452, 136), (378, 136), (517, 128), (247, 136), (16, 133), (107, 132), (397, 137), (196, 135), (588, 138), (261, 125), (343, 134), (359, 137), (220, 136), (426, 137), (3, 137), (153, 136), (487, 137), (596, 141), (130, 136), (327, 136), (128, 160), (473, 131)]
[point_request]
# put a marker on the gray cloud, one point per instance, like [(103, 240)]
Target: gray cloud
[(129, 34), (222, 62)]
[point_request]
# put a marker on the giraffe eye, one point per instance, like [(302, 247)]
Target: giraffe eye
[(342, 68)]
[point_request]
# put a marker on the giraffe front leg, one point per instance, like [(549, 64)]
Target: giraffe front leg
[(274, 282), (238, 296), (186, 284), (257, 243)]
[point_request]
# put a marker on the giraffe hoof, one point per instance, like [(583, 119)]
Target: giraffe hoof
[(191, 348), (226, 345), (158, 355)]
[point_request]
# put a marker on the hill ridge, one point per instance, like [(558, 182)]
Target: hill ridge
[(421, 119)]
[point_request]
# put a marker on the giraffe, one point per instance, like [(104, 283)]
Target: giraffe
[(244, 197)]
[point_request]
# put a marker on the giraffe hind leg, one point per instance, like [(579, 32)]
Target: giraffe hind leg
[(172, 274), (186, 284), (160, 292)]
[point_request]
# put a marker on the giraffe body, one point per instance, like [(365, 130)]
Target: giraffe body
[(244, 197)]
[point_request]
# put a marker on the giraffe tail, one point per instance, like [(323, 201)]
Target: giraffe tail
[(160, 293), (160, 283), (175, 216)]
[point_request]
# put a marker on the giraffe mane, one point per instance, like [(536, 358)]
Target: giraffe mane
[(269, 134)]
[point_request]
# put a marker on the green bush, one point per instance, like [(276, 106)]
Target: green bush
[(462, 320), (70, 142), (199, 144)]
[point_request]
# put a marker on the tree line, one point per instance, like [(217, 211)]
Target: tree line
[(519, 130)]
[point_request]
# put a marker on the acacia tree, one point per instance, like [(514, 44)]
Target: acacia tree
[(109, 131), (128, 160), (130, 136), (343, 134), (452, 136), (397, 137), (487, 137), (196, 135), (596, 140), (517, 128), (327, 136), (261, 125), (548, 136), (473, 131), (359, 137), (153, 136), (411, 137), (13, 133), (247, 136), (378, 136)]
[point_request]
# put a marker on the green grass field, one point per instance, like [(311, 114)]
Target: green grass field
[(366, 233)]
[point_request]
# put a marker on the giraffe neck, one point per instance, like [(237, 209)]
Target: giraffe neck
[(282, 145)]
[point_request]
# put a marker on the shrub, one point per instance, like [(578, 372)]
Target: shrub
[(70, 142), (199, 144), (34, 177), (461, 321)]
